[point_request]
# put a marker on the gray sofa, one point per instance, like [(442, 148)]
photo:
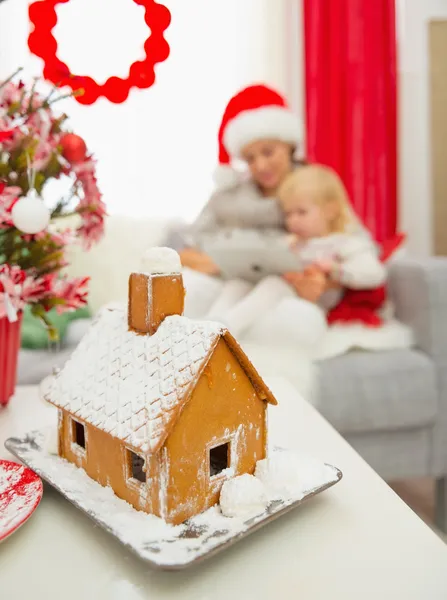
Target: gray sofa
[(392, 406)]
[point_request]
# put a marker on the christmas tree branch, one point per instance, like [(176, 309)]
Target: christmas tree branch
[(65, 215), (57, 212), (75, 93), (31, 95), (11, 77)]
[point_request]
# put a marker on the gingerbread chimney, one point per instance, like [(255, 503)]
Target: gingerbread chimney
[(156, 291)]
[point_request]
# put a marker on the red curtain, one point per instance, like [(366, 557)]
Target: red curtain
[(350, 54)]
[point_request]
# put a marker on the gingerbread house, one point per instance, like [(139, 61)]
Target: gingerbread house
[(161, 408)]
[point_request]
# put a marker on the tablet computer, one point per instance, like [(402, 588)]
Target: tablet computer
[(251, 257)]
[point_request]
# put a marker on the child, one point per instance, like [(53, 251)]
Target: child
[(325, 231), (327, 239)]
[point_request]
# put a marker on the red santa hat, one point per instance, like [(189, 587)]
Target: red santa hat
[(255, 113)]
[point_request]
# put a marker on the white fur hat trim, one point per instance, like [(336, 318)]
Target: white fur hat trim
[(226, 177), (269, 122)]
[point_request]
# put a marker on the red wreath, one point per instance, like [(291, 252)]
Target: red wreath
[(42, 43)]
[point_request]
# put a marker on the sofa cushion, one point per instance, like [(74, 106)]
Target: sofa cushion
[(368, 391)]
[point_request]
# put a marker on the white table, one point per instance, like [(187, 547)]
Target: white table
[(356, 541)]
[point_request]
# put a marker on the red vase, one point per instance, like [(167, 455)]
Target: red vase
[(9, 353)]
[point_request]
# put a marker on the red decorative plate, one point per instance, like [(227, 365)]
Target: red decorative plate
[(20, 493)]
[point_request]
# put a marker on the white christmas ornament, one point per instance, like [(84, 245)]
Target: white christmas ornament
[(29, 214)]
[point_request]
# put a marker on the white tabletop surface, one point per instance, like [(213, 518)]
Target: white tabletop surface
[(357, 540)]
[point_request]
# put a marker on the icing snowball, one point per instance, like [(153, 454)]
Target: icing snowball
[(243, 496), (288, 476), (161, 260)]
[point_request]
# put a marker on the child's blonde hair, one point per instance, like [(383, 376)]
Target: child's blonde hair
[(322, 185)]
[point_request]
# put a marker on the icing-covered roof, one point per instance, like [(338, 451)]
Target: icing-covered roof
[(135, 386)]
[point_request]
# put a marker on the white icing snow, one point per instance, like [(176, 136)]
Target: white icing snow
[(134, 386), (287, 475), (157, 261), (243, 496), (45, 387), (51, 441), (147, 535), (226, 473)]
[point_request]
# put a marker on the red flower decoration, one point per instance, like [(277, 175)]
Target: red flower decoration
[(42, 43)]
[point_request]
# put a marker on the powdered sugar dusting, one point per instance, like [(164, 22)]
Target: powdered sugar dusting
[(148, 536), (288, 475), (115, 374), (243, 496), (161, 261), (20, 492)]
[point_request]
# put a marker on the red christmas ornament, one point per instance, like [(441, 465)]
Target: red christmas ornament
[(42, 43), (74, 149)]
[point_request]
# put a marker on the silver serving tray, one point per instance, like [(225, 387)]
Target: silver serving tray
[(167, 548)]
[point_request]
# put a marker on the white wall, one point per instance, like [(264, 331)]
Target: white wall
[(274, 55), (295, 75), (414, 122), (157, 151)]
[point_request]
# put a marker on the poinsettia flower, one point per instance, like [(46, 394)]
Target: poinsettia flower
[(93, 213), (13, 135), (73, 293), (61, 238), (35, 289), (33, 237), (5, 121), (34, 102), (10, 93), (42, 155), (11, 276), (91, 207), (84, 169), (8, 197), (91, 231), (40, 122), (18, 288)]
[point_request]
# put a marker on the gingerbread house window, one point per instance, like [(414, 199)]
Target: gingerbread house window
[(219, 459), (136, 467), (78, 434)]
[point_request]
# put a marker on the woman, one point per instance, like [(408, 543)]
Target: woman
[(259, 129)]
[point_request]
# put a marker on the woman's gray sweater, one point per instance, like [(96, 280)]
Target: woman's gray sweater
[(239, 207)]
